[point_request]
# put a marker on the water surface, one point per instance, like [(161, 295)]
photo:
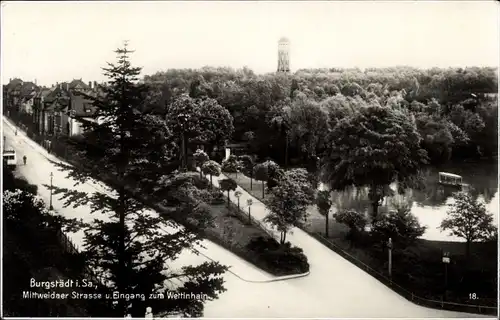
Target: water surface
[(431, 204)]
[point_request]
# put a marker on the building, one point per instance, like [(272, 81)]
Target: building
[(13, 90), (39, 121), (27, 95), (284, 55), (58, 108)]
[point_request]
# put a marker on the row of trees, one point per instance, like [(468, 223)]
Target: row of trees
[(287, 117)]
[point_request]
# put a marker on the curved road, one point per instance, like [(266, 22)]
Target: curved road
[(335, 288)]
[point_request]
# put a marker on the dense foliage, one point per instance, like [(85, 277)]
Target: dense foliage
[(279, 257), (34, 246), (286, 116)]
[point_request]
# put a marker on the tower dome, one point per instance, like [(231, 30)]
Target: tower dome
[(283, 39)]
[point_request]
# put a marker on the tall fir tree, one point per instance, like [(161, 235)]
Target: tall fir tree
[(130, 248)]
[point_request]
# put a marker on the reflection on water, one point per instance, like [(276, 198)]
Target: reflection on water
[(430, 205)]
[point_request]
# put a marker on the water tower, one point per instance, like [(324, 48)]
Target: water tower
[(283, 55)]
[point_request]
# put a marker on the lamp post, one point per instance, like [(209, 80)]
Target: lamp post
[(238, 194), (50, 203), (249, 204), (389, 246), (446, 262)]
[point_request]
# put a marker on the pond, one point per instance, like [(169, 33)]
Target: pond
[(431, 204)]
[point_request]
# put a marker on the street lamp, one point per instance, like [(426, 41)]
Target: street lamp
[(446, 262), (389, 246), (249, 204), (238, 194), (50, 203)]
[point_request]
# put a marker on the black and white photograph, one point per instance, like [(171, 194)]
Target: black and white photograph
[(250, 159)]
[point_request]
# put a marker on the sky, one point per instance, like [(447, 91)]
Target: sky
[(54, 41)]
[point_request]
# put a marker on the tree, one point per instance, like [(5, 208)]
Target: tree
[(356, 221), (231, 165), (183, 118), (468, 219), (228, 185), (128, 245), (288, 204), (216, 123), (324, 203), (211, 168), (308, 126), (247, 165), (375, 147), (301, 178), (279, 117), (261, 172), (200, 157), (400, 225), (275, 173)]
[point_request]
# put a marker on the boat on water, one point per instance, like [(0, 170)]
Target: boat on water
[(452, 180)]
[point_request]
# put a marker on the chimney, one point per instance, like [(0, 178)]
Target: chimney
[(67, 86), (90, 84), (95, 84), (35, 81)]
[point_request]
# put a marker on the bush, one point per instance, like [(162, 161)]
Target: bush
[(231, 165), (280, 259), (204, 195), (356, 221), (173, 182), (10, 182), (400, 225), (217, 197)]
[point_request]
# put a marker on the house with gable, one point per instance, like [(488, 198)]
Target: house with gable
[(59, 107), (13, 90), (26, 96)]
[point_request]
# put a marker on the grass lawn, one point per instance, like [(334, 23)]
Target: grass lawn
[(232, 227)]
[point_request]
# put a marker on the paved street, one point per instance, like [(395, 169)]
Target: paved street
[(335, 287)]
